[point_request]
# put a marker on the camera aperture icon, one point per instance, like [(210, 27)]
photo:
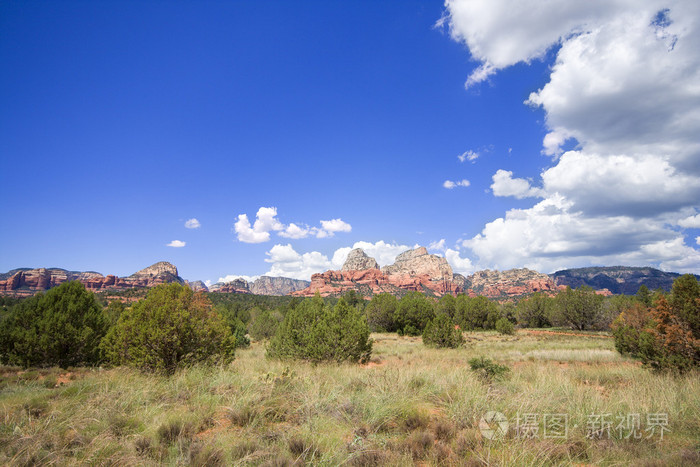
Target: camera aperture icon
[(493, 425)]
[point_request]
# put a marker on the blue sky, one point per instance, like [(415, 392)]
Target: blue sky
[(120, 121)]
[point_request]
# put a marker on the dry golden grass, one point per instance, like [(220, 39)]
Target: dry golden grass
[(411, 404)]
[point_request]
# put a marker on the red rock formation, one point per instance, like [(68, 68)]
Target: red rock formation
[(373, 281), (26, 282), (416, 270)]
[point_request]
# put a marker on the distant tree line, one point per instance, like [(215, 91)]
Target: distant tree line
[(172, 326)]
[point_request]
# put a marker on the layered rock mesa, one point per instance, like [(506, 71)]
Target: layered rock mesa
[(417, 270), (617, 279), (510, 283), (25, 281), (413, 270), (263, 285)]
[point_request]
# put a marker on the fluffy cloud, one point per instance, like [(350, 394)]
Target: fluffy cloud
[(295, 231), (233, 277), (505, 185), (176, 244), (266, 221), (459, 265), (550, 236), (335, 225), (286, 262), (449, 184), (691, 222), (640, 186), (624, 88), (470, 156), (192, 223), (501, 33), (437, 245)]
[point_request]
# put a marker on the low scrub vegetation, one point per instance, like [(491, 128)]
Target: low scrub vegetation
[(317, 332), (441, 333), (666, 333), (171, 328), (63, 327), (411, 405)]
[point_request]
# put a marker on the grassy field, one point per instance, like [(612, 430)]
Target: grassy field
[(410, 404)]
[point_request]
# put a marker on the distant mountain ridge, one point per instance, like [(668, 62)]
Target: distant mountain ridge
[(26, 281), (263, 285), (413, 270), (617, 279), (417, 270)]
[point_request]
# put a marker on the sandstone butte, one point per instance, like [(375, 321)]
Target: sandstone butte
[(25, 282), (417, 270)]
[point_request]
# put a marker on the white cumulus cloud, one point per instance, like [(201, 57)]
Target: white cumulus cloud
[(335, 225), (438, 245), (691, 222), (295, 231), (459, 265), (176, 244), (286, 262), (233, 277), (624, 92), (266, 222), (449, 184), (192, 223), (505, 185)]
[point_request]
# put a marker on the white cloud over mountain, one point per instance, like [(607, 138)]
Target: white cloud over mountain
[(233, 277), (625, 89), (287, 262), (266, 221), (176, 244)]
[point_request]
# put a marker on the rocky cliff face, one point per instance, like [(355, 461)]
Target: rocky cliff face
[(419, 262), (25, 282), (617, 279), (157, 269), (511, 283), (414, 270), (197, 286), (235, 286), (359, 261), (266, 285), (417, 270)]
